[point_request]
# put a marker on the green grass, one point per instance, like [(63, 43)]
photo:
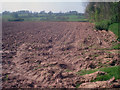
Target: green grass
[(77, 85), (108, 52), (83, 72), (114, 28), (6, 17), (76, 18), (111, 71), (117, 46)]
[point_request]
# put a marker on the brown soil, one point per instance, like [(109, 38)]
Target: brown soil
[(48, 54)]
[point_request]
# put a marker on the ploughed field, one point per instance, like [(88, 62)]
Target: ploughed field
[(49, 54)]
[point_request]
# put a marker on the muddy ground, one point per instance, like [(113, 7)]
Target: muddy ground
[(49, 54)]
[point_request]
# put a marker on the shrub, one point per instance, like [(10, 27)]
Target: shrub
[(114, 18), (103, 25)]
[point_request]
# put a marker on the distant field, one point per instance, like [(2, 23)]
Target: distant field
[(73, 18)]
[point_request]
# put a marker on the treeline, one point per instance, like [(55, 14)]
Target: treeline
[(26, 13), (105, 15)]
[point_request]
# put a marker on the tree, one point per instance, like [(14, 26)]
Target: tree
[(42, 12), (50, 12), (98, 11), (15, 14), (6, 12), (73, 12), (103, 14)]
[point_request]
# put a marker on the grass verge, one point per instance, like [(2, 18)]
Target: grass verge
[(114, 28), (111, 71), (117, 46)]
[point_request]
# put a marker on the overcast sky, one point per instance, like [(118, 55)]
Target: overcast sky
[(47, 6), (59, 0), (43, 0)]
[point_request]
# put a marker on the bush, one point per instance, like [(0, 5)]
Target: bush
[(114, 19), (103, 25)]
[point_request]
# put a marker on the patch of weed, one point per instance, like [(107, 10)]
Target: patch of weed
[(110, 56), (83, 72), (79, 56), (117, 46), (108, 52), (37, 68), (111, 71), (77, 85), (104, 49), (95, 55), (67, 70), (105, 40), (5, 78)]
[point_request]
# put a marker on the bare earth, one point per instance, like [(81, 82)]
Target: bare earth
[(49, 54)]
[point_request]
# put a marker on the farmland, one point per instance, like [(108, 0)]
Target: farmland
[(58, 55)]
